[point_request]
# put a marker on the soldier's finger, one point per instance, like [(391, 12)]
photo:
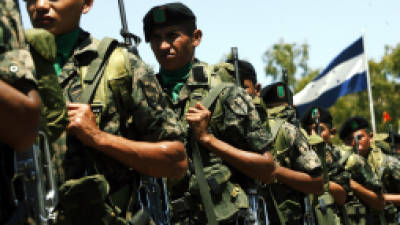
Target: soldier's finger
[(200, 106)]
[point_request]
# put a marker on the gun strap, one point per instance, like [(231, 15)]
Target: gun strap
[(280, 216), (197, 161), (20, 214), (275, 128), (96, 69)]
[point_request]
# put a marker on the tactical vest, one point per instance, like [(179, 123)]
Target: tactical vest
[(227, 197), (285, 200), (354, 212), (107, 186), (326, 211), (377, 160)]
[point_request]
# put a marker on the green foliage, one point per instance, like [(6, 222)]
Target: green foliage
[(286, 56), (383, 73)]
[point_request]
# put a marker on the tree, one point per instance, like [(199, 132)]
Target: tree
[(383, 73), (286, 56)]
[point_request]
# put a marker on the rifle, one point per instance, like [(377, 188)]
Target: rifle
[(34, 177), (315, 116), (235, 58), (257, 216), (309, 218), (153, 197), (285, 78), (392, 142), (356, 140), (128, 36)]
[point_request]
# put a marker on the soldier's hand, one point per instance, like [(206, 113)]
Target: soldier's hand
[(198, 118), (82, 123)]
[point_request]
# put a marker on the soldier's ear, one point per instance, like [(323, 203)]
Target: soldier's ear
[(196, 37), (258, 89), (333, 131), (87, 5)]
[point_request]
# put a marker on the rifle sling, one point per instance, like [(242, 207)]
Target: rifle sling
[(198, 164)]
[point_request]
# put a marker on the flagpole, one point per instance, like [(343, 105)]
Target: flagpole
[(371, 103)]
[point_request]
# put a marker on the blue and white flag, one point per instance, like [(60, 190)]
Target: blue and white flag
[(346, 74)]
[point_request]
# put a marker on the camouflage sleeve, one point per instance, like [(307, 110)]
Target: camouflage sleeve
[(362, 173), (391, 175), (54, 111), (153, 118), (239, 123), (15, 61), (305, 159), (336, 172)]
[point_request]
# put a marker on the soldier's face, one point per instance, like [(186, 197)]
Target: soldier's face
[(172, 47), (364, 141), (57, 16), (252, 89)]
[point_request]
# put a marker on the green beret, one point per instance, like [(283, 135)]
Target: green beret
[(396, 138), (352, 125), (323, 114), (246, 70), (277, 93), (167, 15)]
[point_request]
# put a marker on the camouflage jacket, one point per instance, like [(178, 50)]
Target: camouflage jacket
[(137, 113), (15, 61), (387, 168), (234, 120), (360, 170), (291, 150), (336, 171), (16, 64)]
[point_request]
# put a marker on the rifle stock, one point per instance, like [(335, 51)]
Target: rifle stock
[(153, 197), (34, 173)]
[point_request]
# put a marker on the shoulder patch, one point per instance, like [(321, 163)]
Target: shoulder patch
[(237, 101)]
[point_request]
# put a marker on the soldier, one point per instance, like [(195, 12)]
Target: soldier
[(248, 77), (19, 100), (233, 145), (119, 126), (301, 167), (318, 120), (385, 167)]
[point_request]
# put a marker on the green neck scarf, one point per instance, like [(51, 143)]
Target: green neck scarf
[(174, 80), (65, 44)]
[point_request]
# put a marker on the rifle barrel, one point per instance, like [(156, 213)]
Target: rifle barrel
[(124, 23), (235, 57)]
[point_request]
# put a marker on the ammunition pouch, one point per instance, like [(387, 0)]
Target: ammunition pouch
[(228, 198), (326, 211), (87, 201), (355, 213), (390, 212)]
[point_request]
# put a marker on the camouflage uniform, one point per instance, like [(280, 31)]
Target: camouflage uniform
[(137, 113), (387, 169), (16, 64), (234, 120), (291, 150), (335, 172), (54, 112), (362, 173)]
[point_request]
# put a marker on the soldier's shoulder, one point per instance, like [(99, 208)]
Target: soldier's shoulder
[(237, 100)]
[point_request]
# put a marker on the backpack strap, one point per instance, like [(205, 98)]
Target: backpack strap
[(96, 69), (198, 163), (344, 157), (275, 128)]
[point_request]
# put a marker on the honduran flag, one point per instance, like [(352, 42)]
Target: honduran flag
[(346, 74)]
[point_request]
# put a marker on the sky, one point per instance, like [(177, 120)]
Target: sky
[(255, 25)]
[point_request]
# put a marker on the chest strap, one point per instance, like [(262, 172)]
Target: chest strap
[(96, 69), (198, 163)]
